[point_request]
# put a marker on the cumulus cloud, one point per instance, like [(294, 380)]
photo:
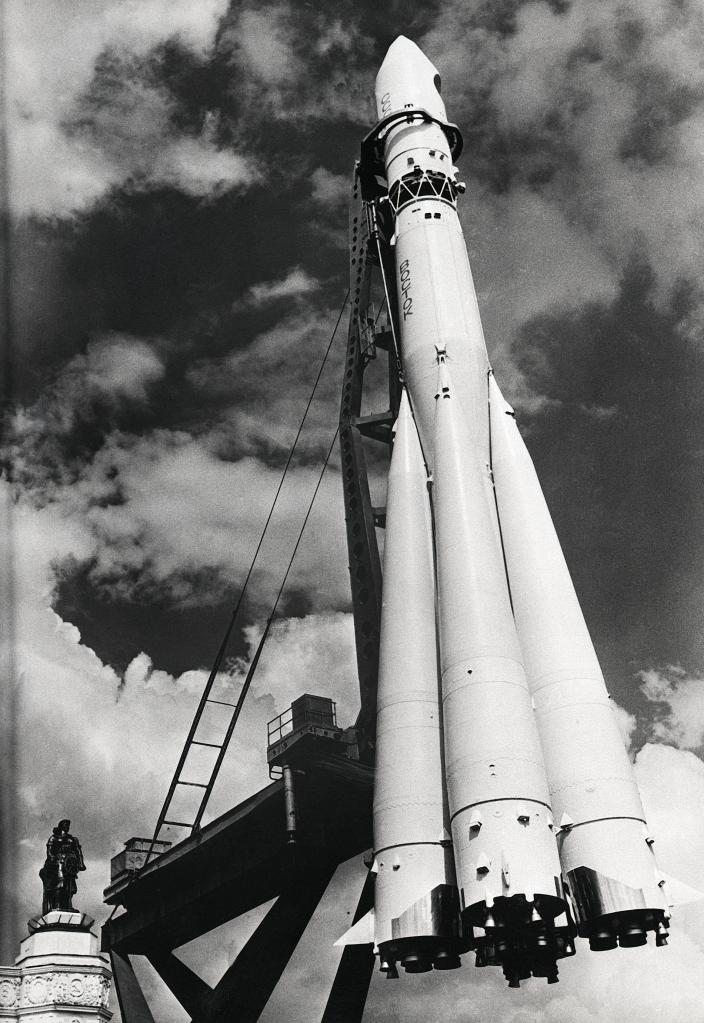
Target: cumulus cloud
[(627, 723), (330, 189), (133, 724), (114, 375), (118, 367), (289, 351), (680, 714), (298, 65), (597, 107), (53, 55), (264, 38), (163, 515), (295, 284), (185, 515)]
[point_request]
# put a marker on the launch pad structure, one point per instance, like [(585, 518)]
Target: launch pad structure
[(251, 855)]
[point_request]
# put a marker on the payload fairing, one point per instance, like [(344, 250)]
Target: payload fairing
[(506, 816)]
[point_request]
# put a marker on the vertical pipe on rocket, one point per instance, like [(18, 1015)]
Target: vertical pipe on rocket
[(606, 853), (416, 902)]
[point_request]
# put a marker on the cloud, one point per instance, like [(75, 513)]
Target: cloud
[(294, 285), (198, 167), (54, 54), (330, 189), (114, 376), (298, 66), (598, 108), (106, 728), (319, 648), (162, 516), (275, 372), (680, 716), (265, 45), (118, 367), (672, 785), (627, 723)]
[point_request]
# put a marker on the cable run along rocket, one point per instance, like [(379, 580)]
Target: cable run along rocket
[(506, 817)]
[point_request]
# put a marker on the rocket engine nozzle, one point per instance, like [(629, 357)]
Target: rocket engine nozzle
[(522, 938)]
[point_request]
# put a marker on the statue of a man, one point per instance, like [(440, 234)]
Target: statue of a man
[(64, 859)]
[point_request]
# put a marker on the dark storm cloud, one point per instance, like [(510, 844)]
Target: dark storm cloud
[(618, 448)]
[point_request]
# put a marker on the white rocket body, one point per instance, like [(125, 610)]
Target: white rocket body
[(415, 890), (506, 857), (605, 848), (497, 790), (437, 303), (534, 778)]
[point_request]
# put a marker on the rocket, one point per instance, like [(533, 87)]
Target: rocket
[(506, 816), (416, 901)]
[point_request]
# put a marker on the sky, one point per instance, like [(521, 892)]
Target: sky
[(179, 174)]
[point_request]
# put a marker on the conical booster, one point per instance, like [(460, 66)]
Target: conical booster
[(416, 904), (505, 852), (605, 848)]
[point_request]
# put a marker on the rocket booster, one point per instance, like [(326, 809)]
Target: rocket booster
[(605, 848), (416, 905), (506, 815), (507, 863)]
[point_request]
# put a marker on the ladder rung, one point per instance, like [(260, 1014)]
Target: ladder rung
[(221, 702), (193, 784), (177, 824), (214, 745)]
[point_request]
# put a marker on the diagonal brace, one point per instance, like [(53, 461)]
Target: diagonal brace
[(248, 983), (191, 991), (354, 973), (133, 1004)]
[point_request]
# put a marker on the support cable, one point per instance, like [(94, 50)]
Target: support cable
[(190, 739), (260, 646)]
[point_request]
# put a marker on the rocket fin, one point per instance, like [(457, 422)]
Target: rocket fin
[(677, 893), (361, 933)]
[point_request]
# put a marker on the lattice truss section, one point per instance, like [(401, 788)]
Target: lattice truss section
[(423, 184)]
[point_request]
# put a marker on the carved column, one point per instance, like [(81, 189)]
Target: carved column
[(59, 976)]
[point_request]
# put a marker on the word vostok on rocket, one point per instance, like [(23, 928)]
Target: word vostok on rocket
[(506, 817)]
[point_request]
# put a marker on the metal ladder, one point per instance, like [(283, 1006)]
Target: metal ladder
[(164, 819), (178, 780)]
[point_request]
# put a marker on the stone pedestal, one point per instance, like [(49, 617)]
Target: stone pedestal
[(59, 975)]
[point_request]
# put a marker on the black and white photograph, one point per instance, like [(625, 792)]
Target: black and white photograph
[(352, 511)]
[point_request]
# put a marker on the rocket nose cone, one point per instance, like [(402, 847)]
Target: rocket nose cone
[(407, 78)]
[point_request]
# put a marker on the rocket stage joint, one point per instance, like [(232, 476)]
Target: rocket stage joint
[(372, 152), (424, 184)]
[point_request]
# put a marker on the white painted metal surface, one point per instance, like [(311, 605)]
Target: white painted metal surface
[(411, 828), (590, 775), (437, 300), (527, 726), (497, 789)]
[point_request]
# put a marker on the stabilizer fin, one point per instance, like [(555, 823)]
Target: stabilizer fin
[(361, 933), (677, 893)]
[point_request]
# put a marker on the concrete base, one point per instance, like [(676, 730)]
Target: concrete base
[(59, 976)]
